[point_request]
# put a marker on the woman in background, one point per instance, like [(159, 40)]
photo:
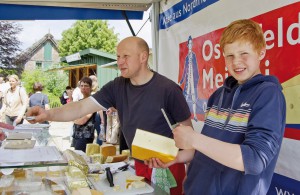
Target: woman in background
[(15, 102), (84, 127), (38, 98)]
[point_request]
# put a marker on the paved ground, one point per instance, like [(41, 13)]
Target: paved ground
[(60, 132)]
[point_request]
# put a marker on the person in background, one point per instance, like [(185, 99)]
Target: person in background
[(77, 95), (66, 96), (137, 94), (1, 91), (99, 116), (38, 98), (238, 147), (84, 127), (4, 86), (15, 102)]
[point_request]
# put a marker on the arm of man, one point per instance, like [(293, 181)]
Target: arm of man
[(67, 112)]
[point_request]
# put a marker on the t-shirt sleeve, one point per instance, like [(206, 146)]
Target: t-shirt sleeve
[(105, 96), (46, 99), (177, 105)]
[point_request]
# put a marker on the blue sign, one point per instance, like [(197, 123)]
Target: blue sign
[(283, 185), (181, 11)]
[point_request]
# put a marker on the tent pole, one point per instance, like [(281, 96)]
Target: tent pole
[(128, 23)]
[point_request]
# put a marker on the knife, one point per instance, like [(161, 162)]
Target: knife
[(109, 173), (168, 121)]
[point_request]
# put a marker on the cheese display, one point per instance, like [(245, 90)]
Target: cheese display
[(291, 91), (97, 158), (123, 184), (19, 144), (19, 135), (135, 181), (92, 149), (116, 158), (107, 150), (148, 145)]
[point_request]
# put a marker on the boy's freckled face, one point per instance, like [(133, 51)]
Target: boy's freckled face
[(242, 61)]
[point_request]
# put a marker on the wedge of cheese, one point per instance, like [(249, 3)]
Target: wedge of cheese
[(291, 91), (97, 158), (92, 149), (138, 180), (133, 178), (116, 158), (148, 145)]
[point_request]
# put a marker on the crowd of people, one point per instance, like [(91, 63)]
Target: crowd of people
[(237, 149), (14, 102)]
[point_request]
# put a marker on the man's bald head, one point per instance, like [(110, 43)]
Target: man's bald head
[(140, 43)]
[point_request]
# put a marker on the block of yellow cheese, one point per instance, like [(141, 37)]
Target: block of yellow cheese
[(148, 145), (108, 150), (92, 149)]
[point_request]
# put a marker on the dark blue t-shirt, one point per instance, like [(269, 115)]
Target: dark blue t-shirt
[(140, 106)]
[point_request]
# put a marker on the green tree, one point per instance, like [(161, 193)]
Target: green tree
[(54, 83), (86, 34)]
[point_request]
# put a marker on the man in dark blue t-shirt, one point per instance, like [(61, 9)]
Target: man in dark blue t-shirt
[(138, 95)]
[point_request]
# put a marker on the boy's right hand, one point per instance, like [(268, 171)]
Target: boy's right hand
[(39, 113), (156, 163)]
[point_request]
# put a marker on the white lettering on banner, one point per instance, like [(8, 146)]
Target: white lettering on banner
[(215, 49), (171, 17), (209, 50), (267, 71), (270, 35), (189, 7), (209, 78), (183, 8), (280, 192)]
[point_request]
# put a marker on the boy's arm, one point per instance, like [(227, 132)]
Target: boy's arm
[(227, 154)]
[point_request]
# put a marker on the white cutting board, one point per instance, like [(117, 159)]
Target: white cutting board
[(120, 180)]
